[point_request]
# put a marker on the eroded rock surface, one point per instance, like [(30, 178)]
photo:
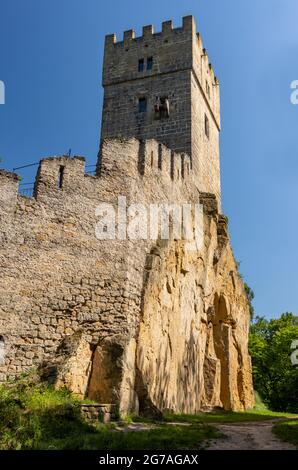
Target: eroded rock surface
[(147, 324)]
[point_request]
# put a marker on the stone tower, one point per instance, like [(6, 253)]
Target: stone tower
[(161, 86), (141, 323)]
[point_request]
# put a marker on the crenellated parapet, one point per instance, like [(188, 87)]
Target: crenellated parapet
[(62, 177), (114, 282), (172, 50), (56, 175), (147, 158), (9, 184), (56, 178), (206, 78)]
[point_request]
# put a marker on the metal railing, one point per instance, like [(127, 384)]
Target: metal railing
[(24, 166), (26, 189), (92, 170)]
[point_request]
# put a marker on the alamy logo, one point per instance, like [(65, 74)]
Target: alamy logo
[(294, 94), (151, 222), (2, 92)]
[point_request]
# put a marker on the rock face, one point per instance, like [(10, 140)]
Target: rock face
[(192, 343), (145, 324), (110, 307)]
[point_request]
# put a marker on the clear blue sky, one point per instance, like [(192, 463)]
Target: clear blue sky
[(50, 61)]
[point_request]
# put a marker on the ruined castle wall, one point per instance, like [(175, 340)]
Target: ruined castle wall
[(122, 118), (101, 314), (57, 278)]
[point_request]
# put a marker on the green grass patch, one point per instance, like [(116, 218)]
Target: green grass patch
[(287, 431), (227, 416), (165, 437), (33, 415), (259, 404)]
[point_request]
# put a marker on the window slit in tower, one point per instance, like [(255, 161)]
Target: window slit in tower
[(142, 105), (149, 63)]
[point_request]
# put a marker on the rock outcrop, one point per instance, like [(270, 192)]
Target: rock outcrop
[(146, 324)]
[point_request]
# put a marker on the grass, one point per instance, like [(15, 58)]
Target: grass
[(165, 437), (259, 413), (287, 431), (31, 412), (227, 417), (35, 416)]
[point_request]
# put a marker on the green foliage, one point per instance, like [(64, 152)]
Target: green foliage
[(31, 412), (260, 406), (35, 416), (164, 437), (275, 377), (248, 290), (250, 296), (287, 431), (227, 416)]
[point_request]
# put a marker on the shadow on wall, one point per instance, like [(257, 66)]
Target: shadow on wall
[(169, 360), (106, 373)]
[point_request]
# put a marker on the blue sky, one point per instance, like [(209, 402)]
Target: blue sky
[(50, 61)]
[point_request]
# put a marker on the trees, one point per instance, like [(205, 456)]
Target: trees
[(275, 377)]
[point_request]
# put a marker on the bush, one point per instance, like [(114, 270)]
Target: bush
[(275, 377), (32, 412), (35, 416)]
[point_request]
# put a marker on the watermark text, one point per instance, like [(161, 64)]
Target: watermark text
[(141, 221), (294, 94), (2, 92)]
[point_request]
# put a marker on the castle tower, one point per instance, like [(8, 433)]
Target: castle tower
[(161, 86)]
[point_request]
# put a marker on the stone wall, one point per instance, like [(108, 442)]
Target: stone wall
[(181, 72), (140, 323)]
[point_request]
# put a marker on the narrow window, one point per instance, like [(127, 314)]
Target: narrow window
[(61, 177), (142, 105), (149, 63), (152, 158), (141, 65), (161, 107), (159, 161), (206, 126)]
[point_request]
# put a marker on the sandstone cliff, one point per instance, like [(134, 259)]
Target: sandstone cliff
[(145, 324)]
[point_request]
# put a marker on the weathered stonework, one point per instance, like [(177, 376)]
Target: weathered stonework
[(94, 414), (181, 72), (143, 324)]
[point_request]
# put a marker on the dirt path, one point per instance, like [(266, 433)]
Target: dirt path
[(248, 436)]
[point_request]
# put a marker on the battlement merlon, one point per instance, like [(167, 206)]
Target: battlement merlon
[(9, 184), (172, 50)]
